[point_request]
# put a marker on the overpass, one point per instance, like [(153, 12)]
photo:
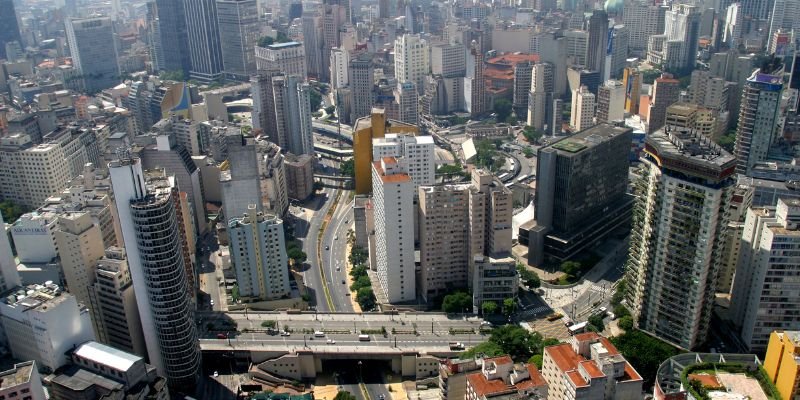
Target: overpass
[(332, 130)]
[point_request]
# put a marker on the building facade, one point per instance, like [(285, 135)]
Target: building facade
[(94, 52)]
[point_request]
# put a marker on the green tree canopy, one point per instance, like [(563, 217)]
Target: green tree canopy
[(366, 298), (509, 306), (489, 307), (296, 255), (344, 395), (644, 352), (360, 282), (11, 211), (571, 268), (503, 109), (358, 256), (530, 278), (597, 322), (348, 167), (536, 360), (457, 302)]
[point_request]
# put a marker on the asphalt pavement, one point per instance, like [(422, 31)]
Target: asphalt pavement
[(308, 234), (334, 253)]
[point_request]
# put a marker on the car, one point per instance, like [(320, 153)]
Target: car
[(347, 294), (346, 221), (327, 247), (216, 374), (338, 268), (211, 302), (221, 336), (382, 396), (285, 333), (344, 282), (331, 341), (336, 238)]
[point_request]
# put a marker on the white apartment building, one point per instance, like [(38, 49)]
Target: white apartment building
[(113, 304), (288, 58), (541, 76), (153, 241), (414, 154), (42, 323), (22, 382), (680, 218), (763, 298), (34, 237), (80, 245), (611, 102), (258, 253), (9, 277), (31, 173), (449, 60), (272, 179), (577, 46), (340, 60), (583, 102), (411, 60), (393, 201), (293, 114), (589, 367), (493, 279)]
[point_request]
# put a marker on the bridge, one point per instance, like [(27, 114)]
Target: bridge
[(332, 130)]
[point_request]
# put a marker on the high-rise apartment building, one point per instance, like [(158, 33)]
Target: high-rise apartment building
[(258, 254), (263, 114), (644, 19), (701, 120), (94, 52), (522, 86), (782, 362), (414, 154), (710, 91), (205, 49), (583, 103), (759, 118), (340, 62), (449, 60), (761, 300), (680, 219), (333, 19), (666, 91), (407, 101), (475, 101), (365, 131), (581, 178), (173, 38), (239, 31), (9, 27), (113, 304), (21, 167), (361, 77), (681, 35), (620, 38), (293, 114), (741, 201), (152, 239), (288, 58), (240, 181), (541, 89), (411, 59), (272, 178), (577, 49), (785, 17), (313, 42), (299, 176), (611, 102), (598, 42), (42, 323), (393, 201)]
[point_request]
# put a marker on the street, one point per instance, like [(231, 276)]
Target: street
[(334, 253)]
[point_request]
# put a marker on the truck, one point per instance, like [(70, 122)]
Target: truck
[(363, 338), (456, 346)]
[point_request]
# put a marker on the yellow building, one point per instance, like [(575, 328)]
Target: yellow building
[(782, 362), (632, 80), (367, 128)]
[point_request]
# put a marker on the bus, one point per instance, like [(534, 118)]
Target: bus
[(363, 338), (578, 328)]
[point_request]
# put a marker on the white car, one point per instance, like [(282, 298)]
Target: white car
[(284, 333), (216, 374), (212, 302), (331, 341)]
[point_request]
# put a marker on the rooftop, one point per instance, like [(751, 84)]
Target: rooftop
[(108, 356), (20, 374), (588, 138), (35, 296), (483, 386), (79, 380), (691, 152)]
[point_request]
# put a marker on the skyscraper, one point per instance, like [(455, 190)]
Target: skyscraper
[(173, 36), (598, 42), (9, 27), (411, 59), (151, 235), (541, 82), (205, 50), (333, 18), (239, 31), (312, 42), (263, 115), (759, 114), (293, 114), (665, 93), (611, 102), (474, 84), (682, 24), (240, 183), (583, 102), (362, 80), (522, 87), (680, 218), (288, 58), (94, 53), (644, 19)]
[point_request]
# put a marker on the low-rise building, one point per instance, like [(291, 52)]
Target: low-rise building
[(22, 382), (299, 176), (499, 377), (453, 377), (589, 367), (493, 279)]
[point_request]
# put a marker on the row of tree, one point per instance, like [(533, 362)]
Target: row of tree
[(361, 285)]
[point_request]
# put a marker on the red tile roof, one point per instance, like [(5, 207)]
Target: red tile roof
[(565, 358), (577, 379), (536, 379), (502, 360), (394, 178), (592, 369), (482, 386)]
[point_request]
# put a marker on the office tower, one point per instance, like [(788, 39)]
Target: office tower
[(313, 42), (42, 323), (732, 31), (239, 183), (757, 9), (258, 254), (762, 300), (782, 362), (112, 302), (289, 58), (340, 62), (540, 90), (79, 245), (759, 118), (577, 49), (99, 371), (682, 25), (710, 91), (741, 201), (33, 237), (239, 31), (666, 91), (23, 378), (474, 84), (598, 42), (393, 201), (611, 102), (204, 41), (365, 131), (23, 184), (299, 176), (272, 178), (263, 114), (94, 53), (405, 95), (620, 39), (582, 115), (411, 59), (293, 114), (414, 154), (577, 77), (785, 17), (674, 260), (522, 86), (151, 236), (184, 130), (494, 279), (176, 160), (362, 80), (153, 38), (174, 37), (581, 192), (9, 27), (449, 60), (333, 18)]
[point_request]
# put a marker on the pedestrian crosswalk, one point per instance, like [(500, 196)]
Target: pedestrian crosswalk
[(532, 312)]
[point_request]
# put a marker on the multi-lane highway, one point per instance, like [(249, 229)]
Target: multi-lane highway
[(307, 231), (334, 254)]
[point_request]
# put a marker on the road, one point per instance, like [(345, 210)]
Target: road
[(334, 253), (307, 230), (207, 273)]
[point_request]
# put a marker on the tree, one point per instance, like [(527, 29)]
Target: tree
[(330, 109), (528, 152), (536, 360), (457, 302), (572, 268), (296, 255), (625, 323), (516, 341), (11, 211), (487, 349), (550, 342), (344, 395), (348, 167), (176, 75), (358, 270), (266, 41), (316, 98), (530, 278), (728, 140), (366, 298), (358, 256), (509, 306), (619, 293), (360, 282), (531, 134), (644, 352), (597, 322), (503, 109), (621, 311), (489, 307)]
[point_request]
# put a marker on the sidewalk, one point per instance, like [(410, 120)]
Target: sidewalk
[(348, 267)]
